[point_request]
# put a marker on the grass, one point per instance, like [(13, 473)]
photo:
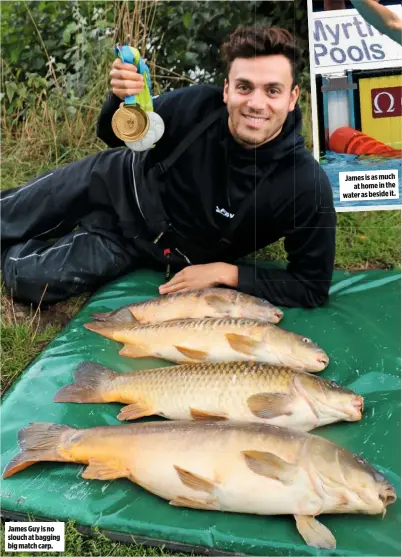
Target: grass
[(364, 240), (369, 240), (26, 331), (20, 343)]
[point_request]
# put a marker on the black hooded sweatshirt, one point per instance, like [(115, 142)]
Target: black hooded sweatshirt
[(204, 188)]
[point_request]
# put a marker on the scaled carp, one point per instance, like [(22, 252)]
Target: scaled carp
[(243, 391), (211, 302), (215, 340), (223, 466)]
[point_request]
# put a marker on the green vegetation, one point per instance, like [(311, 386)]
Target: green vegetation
[(364, 240), (55, 74)]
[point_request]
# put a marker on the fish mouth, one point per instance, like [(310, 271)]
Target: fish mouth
[(355, 410), (322, 361), (277, 316), (388, 497)]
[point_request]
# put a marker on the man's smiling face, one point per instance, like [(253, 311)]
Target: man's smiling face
[(259, 96)]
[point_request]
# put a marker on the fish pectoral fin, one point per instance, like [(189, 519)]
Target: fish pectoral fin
[(198, 483), (241, 343), (191, 353), (201, 415), (98, 470), (135, 351), (269, 405), (314, 533), (219, 304), (208, 505), (134, 411), (270, 465)]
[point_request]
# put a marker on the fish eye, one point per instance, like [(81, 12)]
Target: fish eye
[(305, 339), (363, 461)]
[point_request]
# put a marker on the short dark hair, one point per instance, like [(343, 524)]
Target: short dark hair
[(249, 42)]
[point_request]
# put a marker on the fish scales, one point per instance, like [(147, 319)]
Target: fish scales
[(198, 324), (188, 378), (233, 467), (215, 339), (209, 302), (228, 390)]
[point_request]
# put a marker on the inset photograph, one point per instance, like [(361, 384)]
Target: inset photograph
[(357, 100)]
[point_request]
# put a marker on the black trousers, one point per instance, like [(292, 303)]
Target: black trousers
[(73, 229)]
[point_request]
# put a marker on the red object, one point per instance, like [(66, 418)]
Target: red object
[(166, 252), (386, 102), (350, 141)]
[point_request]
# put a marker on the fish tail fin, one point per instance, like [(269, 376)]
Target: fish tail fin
[(101, 316), (38, 442), (104, 328), (123, 315), (91, 384)]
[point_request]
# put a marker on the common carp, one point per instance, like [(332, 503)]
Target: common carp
[(243, 391), (195, 304), (221, 466), (215, 340)]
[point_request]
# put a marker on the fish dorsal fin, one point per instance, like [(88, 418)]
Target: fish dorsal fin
[(135, 351), (242, 343), (210, 504), (198, 483), (219, 304), (202, 415), (269, 405), (314, 533), (270, 465), (98, 470), (135, 410), (191, 353)]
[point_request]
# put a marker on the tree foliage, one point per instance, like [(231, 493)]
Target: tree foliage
[(46, 43)]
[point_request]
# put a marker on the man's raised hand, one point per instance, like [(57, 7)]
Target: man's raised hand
[(125, 80)]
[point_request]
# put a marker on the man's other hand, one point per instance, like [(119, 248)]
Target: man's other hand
[(125, 80), (198, 277)]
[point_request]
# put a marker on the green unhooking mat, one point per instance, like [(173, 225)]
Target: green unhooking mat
[(359, 329)]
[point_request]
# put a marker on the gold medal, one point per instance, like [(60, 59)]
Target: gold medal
[(135, 122), (130, 122)]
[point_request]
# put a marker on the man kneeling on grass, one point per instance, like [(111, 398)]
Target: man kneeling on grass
[(230, 175)]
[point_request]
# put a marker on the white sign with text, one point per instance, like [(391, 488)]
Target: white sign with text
[(368, 186), (343, 40), (34, 536)]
